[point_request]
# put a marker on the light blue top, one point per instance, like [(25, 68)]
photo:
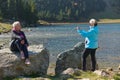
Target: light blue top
[(91, 37)]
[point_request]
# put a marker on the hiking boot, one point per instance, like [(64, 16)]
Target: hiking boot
[(27, 61)]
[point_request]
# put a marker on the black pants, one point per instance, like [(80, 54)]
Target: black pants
[(93, 58), (17, 46)]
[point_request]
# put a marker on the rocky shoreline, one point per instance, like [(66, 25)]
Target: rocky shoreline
[(68, 64), (108, 72)]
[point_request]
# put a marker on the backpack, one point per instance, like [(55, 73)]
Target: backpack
[(13, 46)]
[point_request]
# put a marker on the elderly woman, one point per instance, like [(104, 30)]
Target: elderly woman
[(91, 43), (19, 42)]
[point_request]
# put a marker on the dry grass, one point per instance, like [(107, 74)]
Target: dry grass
[(42, 22), (5, 27), (109, 21)]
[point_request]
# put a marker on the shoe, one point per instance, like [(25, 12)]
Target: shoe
[(22, 55), (27, 61), (92, 70)]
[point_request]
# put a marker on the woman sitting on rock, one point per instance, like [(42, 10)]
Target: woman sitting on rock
[(19, 42)]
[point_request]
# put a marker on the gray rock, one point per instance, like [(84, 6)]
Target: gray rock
[(11, 65), (109, 69), (69, 72), (72, 58), (102, 73)]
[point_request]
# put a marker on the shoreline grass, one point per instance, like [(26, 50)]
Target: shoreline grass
[(109, 21), (4, 27)]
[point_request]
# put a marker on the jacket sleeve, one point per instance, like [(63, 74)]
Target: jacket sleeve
[(15, 36), (85, 33)]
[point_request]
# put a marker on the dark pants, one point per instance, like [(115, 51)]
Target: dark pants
[(17, 46), (93, 58)]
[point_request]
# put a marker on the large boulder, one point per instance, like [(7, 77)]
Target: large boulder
[(11, 65), (71, 58)]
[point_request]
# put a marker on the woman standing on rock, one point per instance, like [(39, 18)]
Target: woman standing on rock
[(91, 43), (19, 42)]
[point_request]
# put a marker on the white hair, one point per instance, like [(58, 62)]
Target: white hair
[(15, 23), (92, 21)]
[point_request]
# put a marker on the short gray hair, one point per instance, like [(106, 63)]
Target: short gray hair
[(15, 23)]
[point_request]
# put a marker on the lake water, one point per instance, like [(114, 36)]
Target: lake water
[(59, 38)]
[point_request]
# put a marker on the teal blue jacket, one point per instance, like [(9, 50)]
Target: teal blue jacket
[(91, 37)]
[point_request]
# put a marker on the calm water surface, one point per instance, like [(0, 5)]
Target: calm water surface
[(62, 37)]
